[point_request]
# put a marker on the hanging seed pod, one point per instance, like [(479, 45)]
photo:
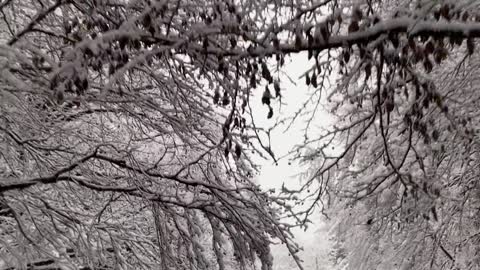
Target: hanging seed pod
[(427, 65), (353, 27), (419, 54), (88, 52), (436, 14), (456, 40), (253, 81), (276, 43), (407, 119), (68, 28), (368, 70), (440, 43), (78, 83), (84, 84), (423, 128), (239, 18), (205, 43), (151, 30), (320, 34), (385, 93), (309, 35), (89, 24), (276, 87), (266, 96), (405, 50), (435, 135), (298, 41), (307, 79), (244, 105), (426, 103), (429, 48), (318, 66), (412, 44), (248, 69), (59, 96), (54, 82), (238, 150), (229, 144), (123, 41), (147, 21), (438, 100), (314, 80), (231, 8), (270, 112), (149, 61), (394, 39), (111, 69), (221, 66), (324, 31), (265, 72), (233, 42), (470, 46), (361, 51), (124, 57), (68, 86), (346, 55), (440, 54), (445, 12), (434, 212), (216, 97), (311, 43), (390, 105)]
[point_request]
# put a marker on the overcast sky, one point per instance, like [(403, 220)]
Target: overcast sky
[(273, 176)]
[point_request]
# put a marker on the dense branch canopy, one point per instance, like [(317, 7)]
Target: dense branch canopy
[(126, 126)]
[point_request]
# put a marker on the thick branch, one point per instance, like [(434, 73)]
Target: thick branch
[(405, 25)]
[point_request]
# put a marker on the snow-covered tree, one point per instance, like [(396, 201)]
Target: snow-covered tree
[(126, 128), (123, 140), (426, 215), (398, 166)]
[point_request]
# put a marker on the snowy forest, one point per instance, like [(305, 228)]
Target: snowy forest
[(130, 136)]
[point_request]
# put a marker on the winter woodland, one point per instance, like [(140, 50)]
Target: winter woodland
[(128, 138)]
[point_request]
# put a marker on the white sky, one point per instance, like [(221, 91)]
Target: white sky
[(314, 240)]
